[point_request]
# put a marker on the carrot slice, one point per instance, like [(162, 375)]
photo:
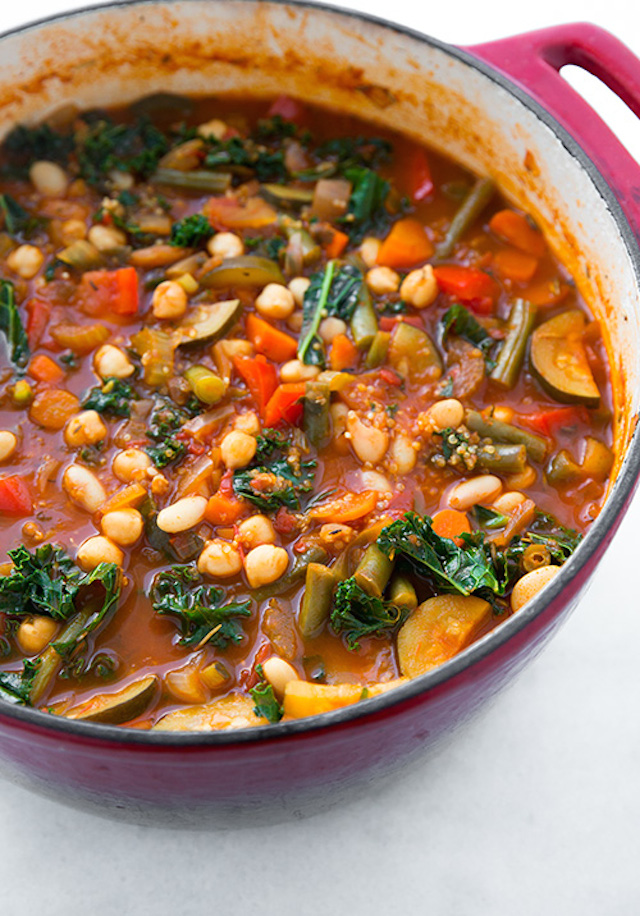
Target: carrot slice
[(407, 245), (517, 230), (338, 243), (43, 369), (346, 508), (269, 341), (451, 523), (344, 353), (515, 265), (549, 292)]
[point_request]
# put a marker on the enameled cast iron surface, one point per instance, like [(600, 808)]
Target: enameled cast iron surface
[(454, 101)]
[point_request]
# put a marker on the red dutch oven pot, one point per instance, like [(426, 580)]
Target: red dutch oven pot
[(273, 772)]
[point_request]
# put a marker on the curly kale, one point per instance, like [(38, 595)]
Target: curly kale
[(25, 145), (103, 147), (18, 223), (459, 320), (357, 614), (12, 327), (266, 703), (237, 153), (113, 398), (191, 232)]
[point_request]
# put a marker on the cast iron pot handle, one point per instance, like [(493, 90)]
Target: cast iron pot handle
[(534, 60)]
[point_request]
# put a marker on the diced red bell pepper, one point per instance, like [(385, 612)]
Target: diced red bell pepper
[(418, 173), (388, 322), (260, 377), (288, 108), (38, 313), (548, 422), (468, 284), (15, 496), (285, 405), (111, 291)]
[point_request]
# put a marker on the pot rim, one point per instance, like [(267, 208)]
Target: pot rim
[(595, 540)]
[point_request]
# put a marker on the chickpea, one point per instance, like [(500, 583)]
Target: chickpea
[(130, 464), (8, 444), (215, 128), (48, 178), (35, 635), (219, 559), (295, 320), (247, 423), (446, 414), (98, 549), (297, 371), (86, 428), (106, 238), (112, 362), (334, 533), (225, 245), (123, 526), (169, 300), (26, 261), (331, 327), (255, 531), (83, 487), (275, 301), (369, 443), (530, 584), (420, 287), (73, 230), (265, 564), (298, 287), (237, 449), (279, 673), (181, 515), (369, 250), (382, 280)]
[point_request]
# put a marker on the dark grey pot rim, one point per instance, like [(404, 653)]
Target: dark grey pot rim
[(94, 733)]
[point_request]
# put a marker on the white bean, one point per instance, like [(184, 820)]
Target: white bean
[(265, 564), (484, 489), (123, 526), (185, 513), (219, 559), (508, 502), (369, 443), (297, 371), (98, 549), (279, 673), (48, 178), (374, 480), (530, 584), (8, 444), (237, 449), (446, 414), (83, 487), (403, 454)]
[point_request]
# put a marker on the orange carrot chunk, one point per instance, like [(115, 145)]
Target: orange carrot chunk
[(344, 353), (269, 341), (516, 229), (43, 369), (407, 245), (515, 265)]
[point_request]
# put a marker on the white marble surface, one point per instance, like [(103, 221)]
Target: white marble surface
[(535, 809)]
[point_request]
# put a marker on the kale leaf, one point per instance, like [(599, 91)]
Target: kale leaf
[(25, 145), (237, 153), (357, 614), (104, 147), (546, 531), (12, 327), (275, 128), (15, 686), (17, 221), (166, 419), (191, 232), (355, 152), (272, 480), (332, 291), (266, 704), (201, 614), (367, 214), (168, 452), (459, 320), (113, 399)]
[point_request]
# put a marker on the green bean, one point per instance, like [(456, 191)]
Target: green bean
[(297, 571), (374, 571), (316, 422), (472, 206), (403, 594), (344, 564), (505, 432), (245, 270), (316, 602), (378, 350), (198, 180), (512, 352), (505, 458), (364, 322)]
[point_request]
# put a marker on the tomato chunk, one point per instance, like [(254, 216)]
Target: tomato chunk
[(15, 496), (110, 291)]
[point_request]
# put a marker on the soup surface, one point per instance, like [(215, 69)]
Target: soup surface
[(290, 411)]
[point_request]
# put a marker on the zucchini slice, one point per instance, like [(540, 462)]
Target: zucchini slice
[(207, 323), (121, 706), (559, 360)]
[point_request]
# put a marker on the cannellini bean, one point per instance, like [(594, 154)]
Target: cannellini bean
[(123, 526), (255, 531), (297, 371), (530, 584), (508, 502), (225, 245), (247, 423), (48, 178), (369, 443), (484, 489), (446, 414), (403, 454), (8, 444), (106, 238), (298, 287), (83, 487), (382, 280), (279, 673), (214, 128), (86, 428), (169, 300), (35, 635), (98, 549), (275, 301), (374, 480), (112, 362), (26, 261), (181, 515), (237, 449), (130, 464), (219, 559), (420, 287), (369, 250), (331, 327), (265, 564)]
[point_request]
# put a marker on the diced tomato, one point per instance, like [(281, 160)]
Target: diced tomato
[(548, 422), (468, 284), (260, 377), (390, 376), (415, 167), (15, 496), (285, 522), (224, 507), (285, 405), (289, 109), (406, 246), (388, 322), (269, 341), (113, 292), (38, 312)]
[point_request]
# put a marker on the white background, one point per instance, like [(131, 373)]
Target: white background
[(535, 809)]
